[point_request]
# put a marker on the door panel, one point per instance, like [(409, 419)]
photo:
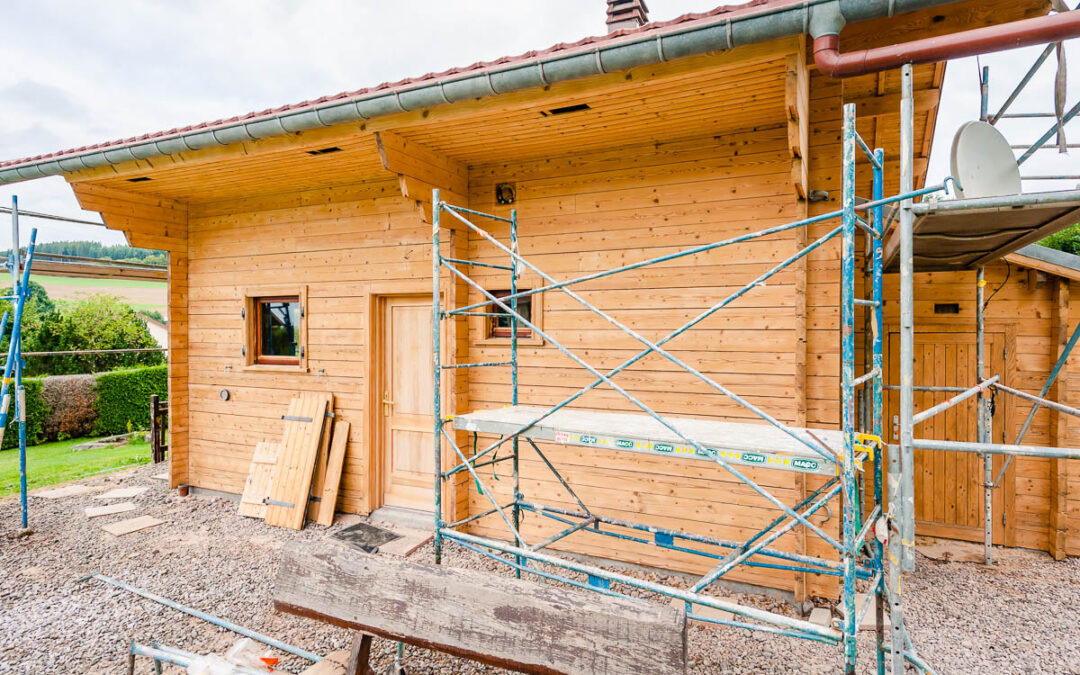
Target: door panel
[(949, 485), (406, 402)]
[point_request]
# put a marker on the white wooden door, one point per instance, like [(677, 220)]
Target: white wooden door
[(405, 403)]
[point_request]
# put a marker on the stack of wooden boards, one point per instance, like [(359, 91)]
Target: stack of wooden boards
[(298, 478)]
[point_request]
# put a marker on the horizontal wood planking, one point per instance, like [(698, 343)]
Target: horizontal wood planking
[(588, 212), (339, 230)]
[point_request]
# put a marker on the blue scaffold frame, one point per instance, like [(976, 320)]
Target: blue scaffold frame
[(13, 366), (860, 554)]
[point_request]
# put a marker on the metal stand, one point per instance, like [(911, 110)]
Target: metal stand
[(859, 460)]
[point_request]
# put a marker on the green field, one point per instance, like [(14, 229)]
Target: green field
[(46, 280), (141, 295), (52, 463)]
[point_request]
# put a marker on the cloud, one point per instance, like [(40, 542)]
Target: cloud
[(78, 73)]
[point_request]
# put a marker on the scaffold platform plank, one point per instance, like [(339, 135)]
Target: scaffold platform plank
[(963, 234), (736, 442)]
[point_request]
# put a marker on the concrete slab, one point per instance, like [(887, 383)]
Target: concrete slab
[(108, 509), (122, 527), (122, 493), (61, 492), (161, 476), (704, 611), (946, 550), (410, 541), (869, 621), (396, 516), (822, 616)]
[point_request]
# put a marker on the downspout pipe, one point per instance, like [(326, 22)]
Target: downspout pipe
[(1040, 30), (651, 47)]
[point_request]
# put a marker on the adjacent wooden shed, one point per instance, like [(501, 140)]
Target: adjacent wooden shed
[(273, 219)]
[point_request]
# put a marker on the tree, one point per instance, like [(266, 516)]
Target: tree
[(96, 322), (38, 311)]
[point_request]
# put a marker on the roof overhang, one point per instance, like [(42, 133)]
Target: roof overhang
[(1048, 260), (722, 29)]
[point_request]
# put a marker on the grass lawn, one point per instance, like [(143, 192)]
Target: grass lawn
[(52, 463)]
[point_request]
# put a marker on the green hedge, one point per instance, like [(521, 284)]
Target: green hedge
[(37, 411), (123, 398), (121, 403)]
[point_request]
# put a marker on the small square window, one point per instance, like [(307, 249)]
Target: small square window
[(278, 321), (502, 326), (275, 330)]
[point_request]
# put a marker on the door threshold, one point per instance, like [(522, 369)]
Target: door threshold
[(413, 519)]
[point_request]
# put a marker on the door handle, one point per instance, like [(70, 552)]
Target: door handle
[(386, 402)]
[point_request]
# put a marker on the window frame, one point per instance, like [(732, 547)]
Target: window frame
[(252, 316), (486, 331)]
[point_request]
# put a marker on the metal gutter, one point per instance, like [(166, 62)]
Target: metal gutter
[(778, 21)]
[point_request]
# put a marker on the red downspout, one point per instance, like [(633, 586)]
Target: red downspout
[(1040, 30)]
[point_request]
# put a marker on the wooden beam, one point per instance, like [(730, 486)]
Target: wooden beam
[(1057, 534), (497, 620), (420, 170), (797, 105), (79, 270)]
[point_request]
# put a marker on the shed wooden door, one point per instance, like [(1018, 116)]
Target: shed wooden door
[(405, 402), (949, 485)]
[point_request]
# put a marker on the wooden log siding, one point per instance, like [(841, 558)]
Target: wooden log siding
[(340, 242), (590, 197), (588, 212)]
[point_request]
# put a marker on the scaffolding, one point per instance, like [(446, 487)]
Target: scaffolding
[(851, 458), (13, 365), (19, 264)]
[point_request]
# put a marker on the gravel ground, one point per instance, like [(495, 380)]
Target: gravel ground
[(1021, 616)]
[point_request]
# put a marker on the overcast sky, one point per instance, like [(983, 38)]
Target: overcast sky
[(78, 72)]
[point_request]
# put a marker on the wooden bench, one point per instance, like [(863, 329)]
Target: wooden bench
[(500, 621)]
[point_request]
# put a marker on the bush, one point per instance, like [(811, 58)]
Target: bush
[(1067, 240), (71, 406), (37, 411), (123, 399)]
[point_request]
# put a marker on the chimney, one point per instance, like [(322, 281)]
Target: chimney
[(626, 14)]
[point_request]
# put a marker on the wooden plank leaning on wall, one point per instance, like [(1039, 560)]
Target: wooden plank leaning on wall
[(162, 224)]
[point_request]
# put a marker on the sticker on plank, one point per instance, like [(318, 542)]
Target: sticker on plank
[(670, 449)]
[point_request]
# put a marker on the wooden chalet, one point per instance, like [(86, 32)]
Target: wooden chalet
[(324, 227)]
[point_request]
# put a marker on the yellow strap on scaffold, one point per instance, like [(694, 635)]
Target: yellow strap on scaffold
[(868, 443)]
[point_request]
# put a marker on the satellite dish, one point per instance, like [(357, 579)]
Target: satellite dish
[(983, 162)]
